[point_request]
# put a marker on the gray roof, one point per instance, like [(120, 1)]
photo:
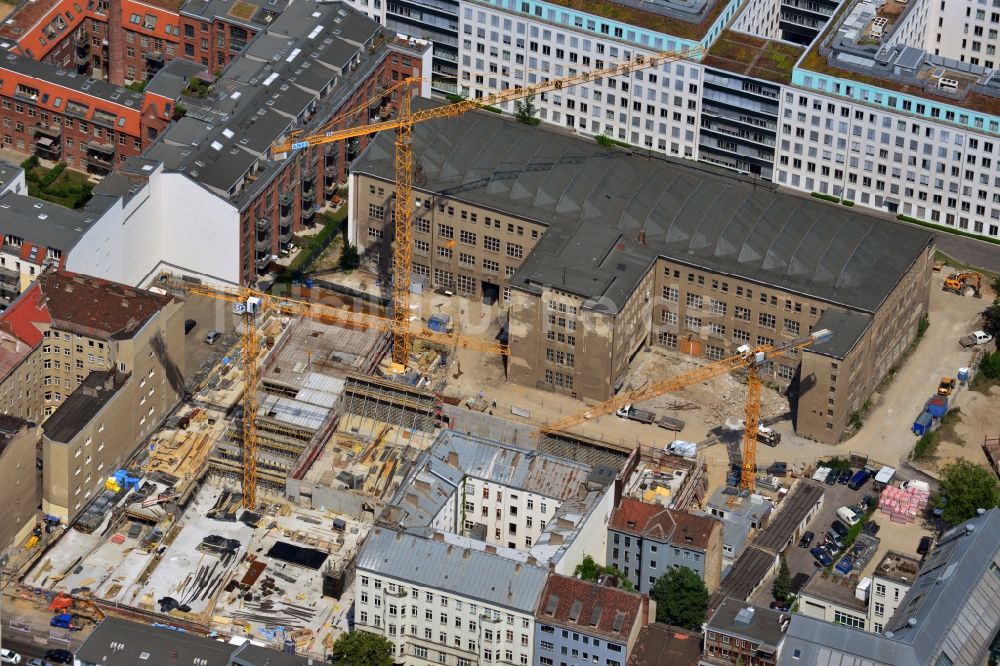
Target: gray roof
[(465, 572), (255, 655), (746, 573), (596, 201), (812, 641), (83, 404), (793, 511), (70, 79), (211, 9), (8, 172), (954, 603), (161, 646), (262, 94), (41, 222), (848, 329), (763, 626), (173, 77)]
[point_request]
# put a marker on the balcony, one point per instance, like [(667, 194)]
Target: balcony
[(308, 214), (261, 262), (10, 284), (353, 148), (154, 61), (100, 158), (308, 197), (48, 142)]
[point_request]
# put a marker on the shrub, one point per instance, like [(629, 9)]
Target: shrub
[(825, 197)]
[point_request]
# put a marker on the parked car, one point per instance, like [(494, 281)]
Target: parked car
[(822, 556), (924, 546), (780, 605), (35, 661), (844, 476), (839, 528), (9, 657), (859, 479), (213, 337), (834, 542), (831, 478), (59, 656), (848, 515), (806, 539), (871, 527)]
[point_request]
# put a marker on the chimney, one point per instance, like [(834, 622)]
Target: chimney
[(642, 236), (116, 48)]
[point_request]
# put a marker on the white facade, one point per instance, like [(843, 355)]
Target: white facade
[(885, 598), (170, 224), (428, 626), (513, 518), (891, 162), (655, 108)]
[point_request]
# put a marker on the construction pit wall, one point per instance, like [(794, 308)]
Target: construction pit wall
[(217, 570)]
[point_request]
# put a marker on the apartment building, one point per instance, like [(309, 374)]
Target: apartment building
[(891, 580), (739, 633), (646, 540), (18, 479), (615, 252), (949, 615), (214, 32), (581, 622), (62, 116), (459, 606)]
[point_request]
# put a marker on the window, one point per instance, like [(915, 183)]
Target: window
[(671, 294), (692, 323), (668, 340), (879, 609), (791, 327), (695, 301), (743, 314), (446, 231), (766, 320), (374, 234), (491, 244), (717, 307), (515, 251), (467, 237), (848, 619), (376, 212)]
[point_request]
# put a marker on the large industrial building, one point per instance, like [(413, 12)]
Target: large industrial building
[(597, 253)]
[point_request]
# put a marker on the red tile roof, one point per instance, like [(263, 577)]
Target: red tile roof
[(591, 608), (679, 528), (663, 645), (21, 317)]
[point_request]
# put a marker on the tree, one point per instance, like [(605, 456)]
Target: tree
[(782, 587), (525, 111), (349, 258), (991, 319), (362, 648), (989, 365), (966, 487), (590, 570), (681, 598)]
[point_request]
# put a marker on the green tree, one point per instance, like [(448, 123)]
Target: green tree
[(525, 111), (991, 319), (590, 570), (681, 598), (362, 648), (349, 258), (782, 587), (966, 487)]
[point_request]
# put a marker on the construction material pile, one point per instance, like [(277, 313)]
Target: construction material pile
[(903, 505)]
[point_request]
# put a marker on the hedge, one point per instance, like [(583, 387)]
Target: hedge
[(938, 227), (825, 197)]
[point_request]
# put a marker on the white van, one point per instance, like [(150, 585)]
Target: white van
[(847, 515)]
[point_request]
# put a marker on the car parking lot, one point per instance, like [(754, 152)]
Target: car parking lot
[(901, 537)]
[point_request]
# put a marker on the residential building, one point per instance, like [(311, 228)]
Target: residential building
[(742, 515), (649, 272), (740, 633), (891, 580), (74, 346), (438, 602), (18, 480), (664, 645), (582, 622), (646, 540), (214, 32), (62, 116), (118, 642), (949, 615)]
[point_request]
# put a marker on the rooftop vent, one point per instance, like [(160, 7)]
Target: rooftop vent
[(745, 616)]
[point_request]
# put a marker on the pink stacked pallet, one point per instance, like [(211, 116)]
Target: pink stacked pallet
[(901, 505)]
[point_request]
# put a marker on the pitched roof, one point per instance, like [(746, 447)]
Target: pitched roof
[(663, 645), (651, 520), (590, 608), (756, 623), (96, 307), (23, 315), (118, 642)]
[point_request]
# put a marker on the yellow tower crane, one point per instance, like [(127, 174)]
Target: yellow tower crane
[(253, 304), (746, 357), (403, 124)]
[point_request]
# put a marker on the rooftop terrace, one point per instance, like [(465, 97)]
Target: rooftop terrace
[(685, 20), (897, 567), (834, 588), (749, 55)]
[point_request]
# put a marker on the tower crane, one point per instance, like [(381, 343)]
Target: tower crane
[(751, 359), (403, 123), (252, 304)]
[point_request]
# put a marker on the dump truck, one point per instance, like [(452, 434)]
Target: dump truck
[(768, 436), (937, 405), (633, 414), (946, 386), (975, 338), (958, 283)]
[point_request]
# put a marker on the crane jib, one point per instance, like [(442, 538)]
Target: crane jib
[(300, 144)]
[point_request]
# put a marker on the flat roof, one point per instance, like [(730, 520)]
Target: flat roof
[(664, 645), (117, 642), (82, 405), (897, 567), (673, 19), (595, 201), (836, 589), (8, 172), (849, 327), (750, 55)]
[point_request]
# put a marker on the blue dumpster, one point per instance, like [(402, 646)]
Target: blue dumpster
[(922, 424)]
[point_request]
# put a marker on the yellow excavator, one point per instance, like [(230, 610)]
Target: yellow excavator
[(957, 283)]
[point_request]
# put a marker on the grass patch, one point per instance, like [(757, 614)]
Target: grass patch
[(954, 263), (243, 10), (838, 464), (607, 141), (947, 230), (927, 445), (57, 185), (315, 244)]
